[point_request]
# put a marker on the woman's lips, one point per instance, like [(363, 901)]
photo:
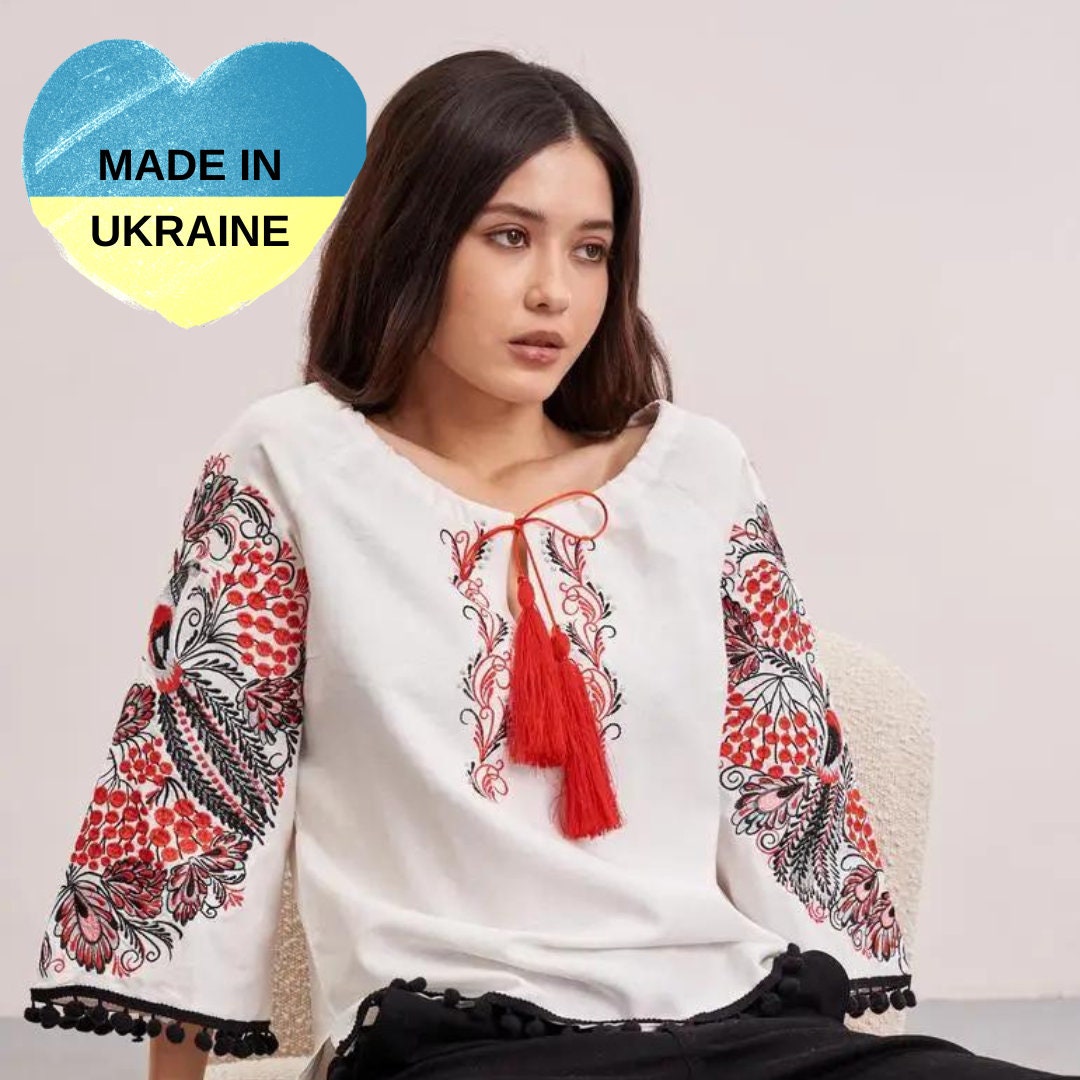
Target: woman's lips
[(536, 354)]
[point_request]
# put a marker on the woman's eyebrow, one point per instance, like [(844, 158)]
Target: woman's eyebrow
[(539, 216)]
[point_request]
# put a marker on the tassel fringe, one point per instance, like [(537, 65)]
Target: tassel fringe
[(537, 729), (588, 806), (549, 717), (552, 722)]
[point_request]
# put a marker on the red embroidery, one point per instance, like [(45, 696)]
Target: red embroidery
[(196, 768), (587, 630), (784, 753), (485, 679)]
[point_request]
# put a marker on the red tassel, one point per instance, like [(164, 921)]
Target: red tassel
[(537, 721), (588, 806)]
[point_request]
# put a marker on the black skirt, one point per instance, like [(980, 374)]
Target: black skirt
[(797, 1034)]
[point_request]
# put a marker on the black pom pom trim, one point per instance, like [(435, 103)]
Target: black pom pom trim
[(879, 995), (770, 1004), (122, 1022), (511, 1023), (118, 1014), (791, 965), (344, 1048), (516, 1017)]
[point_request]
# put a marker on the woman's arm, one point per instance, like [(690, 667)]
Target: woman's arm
[(164, 917), (796, 850), (178, 1061)]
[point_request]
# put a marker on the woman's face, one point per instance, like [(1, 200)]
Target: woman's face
[(513, 273)]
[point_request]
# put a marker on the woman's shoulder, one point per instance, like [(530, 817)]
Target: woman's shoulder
[(709, 448), (707, 463), (302, 419)]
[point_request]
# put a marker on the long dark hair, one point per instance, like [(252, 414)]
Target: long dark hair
[(438, 151)]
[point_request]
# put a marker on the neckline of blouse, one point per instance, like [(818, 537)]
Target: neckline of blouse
[(643, 465)]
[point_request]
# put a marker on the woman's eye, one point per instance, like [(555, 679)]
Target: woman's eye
[(602, 252), (599, 255), (508, 232)]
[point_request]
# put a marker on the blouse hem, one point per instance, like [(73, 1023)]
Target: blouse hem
[(768, 997)]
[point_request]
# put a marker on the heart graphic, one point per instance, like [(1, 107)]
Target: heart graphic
[(187, 198)]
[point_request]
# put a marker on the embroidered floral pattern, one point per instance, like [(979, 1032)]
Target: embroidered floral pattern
[(587, 608), (784, 752), (486, 677), (196, 768)]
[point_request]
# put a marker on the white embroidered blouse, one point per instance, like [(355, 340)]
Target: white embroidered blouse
[(324, 680)]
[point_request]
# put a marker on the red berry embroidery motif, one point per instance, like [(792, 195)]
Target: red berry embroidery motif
[(196, 769), (783, 752)]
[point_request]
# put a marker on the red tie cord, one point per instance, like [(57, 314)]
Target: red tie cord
[(550, 719)]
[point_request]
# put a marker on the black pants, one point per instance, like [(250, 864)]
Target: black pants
[(494, 1037)]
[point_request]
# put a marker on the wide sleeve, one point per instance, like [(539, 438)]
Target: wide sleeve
[(796, 849), (167, 908)]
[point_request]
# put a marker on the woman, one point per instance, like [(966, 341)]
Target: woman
[(451, 626)]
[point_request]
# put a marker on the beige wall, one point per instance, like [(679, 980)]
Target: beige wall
[(861, 252)]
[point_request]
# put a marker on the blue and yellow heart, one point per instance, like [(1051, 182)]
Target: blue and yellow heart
[(192, 198)]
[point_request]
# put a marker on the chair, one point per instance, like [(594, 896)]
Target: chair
[(886, 722)]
